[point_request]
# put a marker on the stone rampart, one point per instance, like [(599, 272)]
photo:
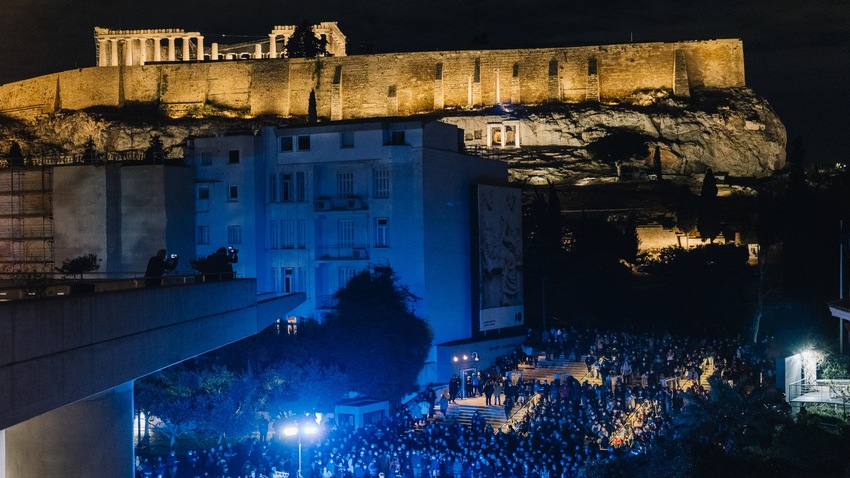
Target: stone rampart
[(388, 84)]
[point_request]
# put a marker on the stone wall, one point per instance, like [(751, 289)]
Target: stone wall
[(388, 84)]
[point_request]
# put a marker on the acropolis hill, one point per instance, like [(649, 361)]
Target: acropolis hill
[(689, 97)]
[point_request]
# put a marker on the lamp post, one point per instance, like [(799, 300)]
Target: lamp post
[(300, 429)]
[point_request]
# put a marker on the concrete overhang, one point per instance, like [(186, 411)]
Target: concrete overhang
[(59, 350)]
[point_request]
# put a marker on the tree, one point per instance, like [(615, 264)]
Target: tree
[(312, 113), (656, 162), (372, 322), (15, 156), (708, 220), (79, 265), (304, 44), (155, 153), (732, 419), (170, 396)]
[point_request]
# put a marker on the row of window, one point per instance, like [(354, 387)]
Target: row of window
[(289, 144), (234, 235), (232, 157), (232, 192), (287, 234), (288, 279), (291, 186)]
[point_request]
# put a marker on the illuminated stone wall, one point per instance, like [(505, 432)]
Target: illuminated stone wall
[(389, 84)]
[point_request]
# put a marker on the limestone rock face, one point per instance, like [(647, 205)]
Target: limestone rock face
[(732, 131)]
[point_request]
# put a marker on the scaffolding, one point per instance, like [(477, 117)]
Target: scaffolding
[(26, 219)]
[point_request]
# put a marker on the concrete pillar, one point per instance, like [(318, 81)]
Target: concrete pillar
[(272, 45), (172, 56), (157, 49), (214, 51), (113, 52), (185, 49), (101, 53), (92, 437), (199, 54)]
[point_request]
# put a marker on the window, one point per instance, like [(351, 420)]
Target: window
[(203, 192), (273, 187), (288, 234), (382, 232), (232, 193), (234, 234), (233, 156), (345, 184), (304, 143), (382, 183), (286, 187), (345, 275), (206, 159), (202, 235), (346, 232), (397, 138), (275, 279), (346, 139), (274, 235), (299, 186), (302, 234), (286, 144)]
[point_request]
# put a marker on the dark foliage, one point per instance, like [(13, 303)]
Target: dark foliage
[(77, 266), (304, 44), (372, 323)]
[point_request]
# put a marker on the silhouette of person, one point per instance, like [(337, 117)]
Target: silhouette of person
[(157, 266)]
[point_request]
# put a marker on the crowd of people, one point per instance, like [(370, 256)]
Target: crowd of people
[(639, 388)]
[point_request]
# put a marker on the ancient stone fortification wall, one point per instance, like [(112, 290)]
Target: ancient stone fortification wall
[(389, 84)]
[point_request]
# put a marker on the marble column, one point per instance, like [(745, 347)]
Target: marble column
[(101, 52), (185, 49), (272, 45), (157, 49), (214, 51), (172, 56), (143, 50), (199, 53), (258, 51), (113, 52), (128, 52)]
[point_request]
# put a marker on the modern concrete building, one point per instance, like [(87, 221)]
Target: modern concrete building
[(310, 207)]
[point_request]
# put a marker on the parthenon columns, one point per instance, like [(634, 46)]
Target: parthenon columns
[(272, 45), (185, 49), (171, 55)]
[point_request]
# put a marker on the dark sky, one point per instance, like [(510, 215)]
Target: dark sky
[(797, 53)]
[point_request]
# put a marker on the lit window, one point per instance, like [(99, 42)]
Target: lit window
[(233, 156), (202, 235), (234, 234)]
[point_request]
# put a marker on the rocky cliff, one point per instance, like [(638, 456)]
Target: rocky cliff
[(730, 130)]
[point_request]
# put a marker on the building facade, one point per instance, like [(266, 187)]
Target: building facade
[(310, 207)]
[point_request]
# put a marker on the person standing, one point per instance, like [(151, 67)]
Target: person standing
[(157, 266), (497, 393)]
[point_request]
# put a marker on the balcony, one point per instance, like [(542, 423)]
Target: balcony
[(350, 203), (342, 253)]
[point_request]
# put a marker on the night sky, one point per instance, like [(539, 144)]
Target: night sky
[(797, 53)]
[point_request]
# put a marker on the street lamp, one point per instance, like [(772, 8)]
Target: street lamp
[(303, 429)]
